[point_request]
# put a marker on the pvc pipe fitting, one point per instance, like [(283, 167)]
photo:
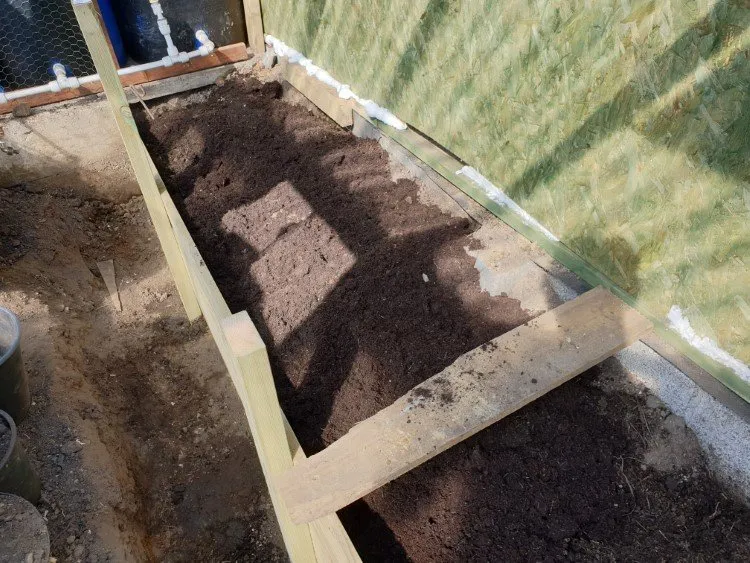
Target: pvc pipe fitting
[(207, 45), (164, 28), (63, 81)]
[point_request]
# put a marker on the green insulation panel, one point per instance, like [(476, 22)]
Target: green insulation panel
[(623, 126)]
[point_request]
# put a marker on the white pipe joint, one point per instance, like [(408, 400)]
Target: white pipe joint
[(207, 46), (164, 28), (3, 98), (63, 81)]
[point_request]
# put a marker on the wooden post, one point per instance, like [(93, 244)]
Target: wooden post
[(96, 41), (254, 22), (478, 389), (267, 425), (331, 543)]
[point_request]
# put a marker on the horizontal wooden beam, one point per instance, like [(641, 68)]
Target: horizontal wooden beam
[(221, 56), (477, 390), (320, 94)]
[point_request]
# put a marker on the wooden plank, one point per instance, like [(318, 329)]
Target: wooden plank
[(221, 56), (93, 33), (446, 165), (330, 540), (109, 39), (177, 84), (322, 95), (477, 390), (254, 23), (107, 270), (266, 424)]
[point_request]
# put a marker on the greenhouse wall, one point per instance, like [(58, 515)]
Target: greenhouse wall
[(622, 126)]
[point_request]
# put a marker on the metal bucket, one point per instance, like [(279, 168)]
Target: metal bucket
[(16, 475), (14, 387)]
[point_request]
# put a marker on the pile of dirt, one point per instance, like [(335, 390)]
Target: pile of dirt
[(361, 293), (135, 430)]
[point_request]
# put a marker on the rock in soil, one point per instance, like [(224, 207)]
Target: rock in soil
[(23, 532)]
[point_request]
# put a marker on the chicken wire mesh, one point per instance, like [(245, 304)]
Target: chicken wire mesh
[(35, 34)]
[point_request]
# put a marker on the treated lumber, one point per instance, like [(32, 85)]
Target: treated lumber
[(266, 424), (254, 24), (221, 56), (480, 388), (320, 94), (330, 540), (93, 33), (447, 165), (107, 270)]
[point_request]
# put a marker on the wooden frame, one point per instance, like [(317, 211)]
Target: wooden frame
[(220, 56), (98, 46), (322, 95), (237, 339), (478, 389), (254, 23), (305, 493)]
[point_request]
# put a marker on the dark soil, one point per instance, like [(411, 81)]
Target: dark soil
[(301, 224)]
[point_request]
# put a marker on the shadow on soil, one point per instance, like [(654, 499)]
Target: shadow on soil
[(361, 294)]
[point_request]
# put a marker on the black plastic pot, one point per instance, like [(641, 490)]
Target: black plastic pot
[(14, 387), (16, 475)]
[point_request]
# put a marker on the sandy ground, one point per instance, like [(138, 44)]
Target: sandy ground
[(135, 430)]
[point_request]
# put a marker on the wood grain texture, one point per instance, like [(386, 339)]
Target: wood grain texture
[(318, 93), (330, 540), (254, 23), (107, 270), (221, 56), (93, 33), (266, 424), (481, 387)]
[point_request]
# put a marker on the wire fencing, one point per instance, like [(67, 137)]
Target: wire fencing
[(35, 34)]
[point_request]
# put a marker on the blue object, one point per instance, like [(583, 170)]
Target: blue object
[(110, 22)]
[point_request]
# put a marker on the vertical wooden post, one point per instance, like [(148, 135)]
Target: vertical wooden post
[(96, 41), (266, 425), (254, 22)]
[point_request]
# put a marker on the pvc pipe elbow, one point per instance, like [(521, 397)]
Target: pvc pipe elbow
[(203, 39)]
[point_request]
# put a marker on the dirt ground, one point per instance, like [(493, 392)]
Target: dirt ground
[(362, 291), (135, 429)]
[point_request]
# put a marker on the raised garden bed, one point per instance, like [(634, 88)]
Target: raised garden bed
[(362, 291)]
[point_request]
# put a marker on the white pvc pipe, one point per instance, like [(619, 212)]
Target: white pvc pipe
[(163, 24), (64, 82)]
